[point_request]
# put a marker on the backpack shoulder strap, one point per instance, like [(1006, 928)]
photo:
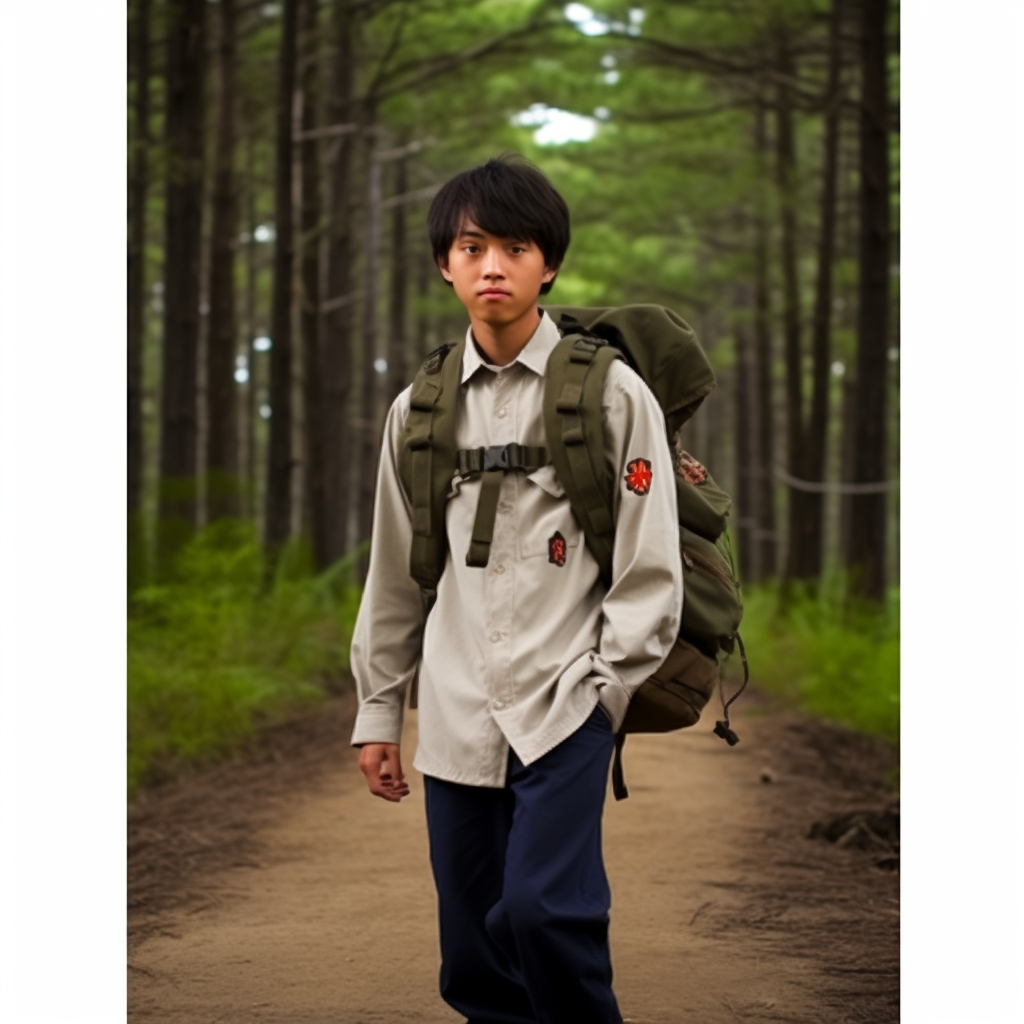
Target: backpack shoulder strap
[(573, 426), (427, 460)]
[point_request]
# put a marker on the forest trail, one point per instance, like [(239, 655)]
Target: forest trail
[(276, 890)]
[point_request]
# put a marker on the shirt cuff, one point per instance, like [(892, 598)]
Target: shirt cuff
[(377, 725), (614, 698)]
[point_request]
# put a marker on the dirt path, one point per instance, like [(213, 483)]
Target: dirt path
[(276, 890)]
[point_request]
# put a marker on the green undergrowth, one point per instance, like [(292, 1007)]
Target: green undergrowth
[(220, 650), (839, 662)]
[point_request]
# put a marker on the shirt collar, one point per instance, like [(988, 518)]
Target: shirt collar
[(534, 355)]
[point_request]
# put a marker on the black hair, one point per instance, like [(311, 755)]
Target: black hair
[(508, 197)]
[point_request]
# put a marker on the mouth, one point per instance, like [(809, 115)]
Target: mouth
[(493, 293)]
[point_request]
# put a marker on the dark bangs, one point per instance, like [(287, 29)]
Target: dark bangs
[(507, 197)]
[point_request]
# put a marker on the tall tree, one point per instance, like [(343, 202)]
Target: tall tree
[(311, 318), (277, 526), (250, 411), (867, 539), (183, 121), (369, 384), (397, 333), (763, 361), (336, 372), (786, 177), (138, 194), (745, 407), (223, 482), (807, 525)]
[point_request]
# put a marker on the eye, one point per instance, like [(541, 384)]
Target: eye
[(517, 249), (471, 249)]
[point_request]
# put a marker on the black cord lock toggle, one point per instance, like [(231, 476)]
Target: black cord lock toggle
[(722, 729)]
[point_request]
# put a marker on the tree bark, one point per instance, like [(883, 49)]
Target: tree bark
[(311, 320), (786, 181), (279, 455), (250, 410), (866, 560), (223, 482), (138, 193), (369, 439), (336, 369), (809, 537), (765, 450), (398, 341), (745, 510), (184, 141)]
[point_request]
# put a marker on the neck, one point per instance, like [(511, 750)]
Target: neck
[(501, 343)]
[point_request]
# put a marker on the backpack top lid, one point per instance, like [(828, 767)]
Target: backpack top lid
[(659, 345)]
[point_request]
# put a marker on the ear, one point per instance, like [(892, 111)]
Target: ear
[(549, 274), (442, 265)]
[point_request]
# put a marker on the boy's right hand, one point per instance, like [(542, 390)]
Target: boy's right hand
[(381, 765)]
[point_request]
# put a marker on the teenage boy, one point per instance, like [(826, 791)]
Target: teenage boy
[(526, 665)]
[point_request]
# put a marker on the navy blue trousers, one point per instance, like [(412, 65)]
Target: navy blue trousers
[(523, 896)]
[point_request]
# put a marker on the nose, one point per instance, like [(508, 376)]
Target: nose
[(493, 266)]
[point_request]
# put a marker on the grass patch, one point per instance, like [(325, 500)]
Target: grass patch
[(218, 652), (838, 662)]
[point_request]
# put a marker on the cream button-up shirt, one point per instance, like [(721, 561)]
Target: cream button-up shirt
[(519, 653)]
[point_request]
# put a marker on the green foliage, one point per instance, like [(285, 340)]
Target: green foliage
[(838, 662), (221, 650)]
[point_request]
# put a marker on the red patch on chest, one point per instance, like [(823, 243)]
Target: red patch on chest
[(638, 476), (556, 549)]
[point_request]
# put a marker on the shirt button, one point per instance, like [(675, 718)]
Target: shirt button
[(495, 637), (504, 506), (502, 412), (499, 569), (498, 704)]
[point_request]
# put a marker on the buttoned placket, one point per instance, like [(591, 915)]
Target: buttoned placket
[(500, 581)]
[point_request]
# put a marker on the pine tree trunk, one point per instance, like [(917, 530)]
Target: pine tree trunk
[(138, 193), (279, 455), (765, 451), (183, 210), (745, 515), (786, 180), (807, 565), (312, 359), (336, 372), (248, 465), (866, 554), (423, 342), (369, 439), (397, 336), (223, 482)]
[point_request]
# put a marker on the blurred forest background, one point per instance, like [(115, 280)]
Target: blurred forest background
[(735, 160)]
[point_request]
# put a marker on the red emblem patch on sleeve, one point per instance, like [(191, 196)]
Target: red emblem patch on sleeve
[(638, 476), (556, 549)]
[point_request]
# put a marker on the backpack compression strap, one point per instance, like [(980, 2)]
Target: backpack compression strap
[(572, 416)]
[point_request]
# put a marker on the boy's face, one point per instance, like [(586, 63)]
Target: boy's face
[(498, 280)]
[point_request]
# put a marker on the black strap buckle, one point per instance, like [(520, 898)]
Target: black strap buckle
[(501, 457)]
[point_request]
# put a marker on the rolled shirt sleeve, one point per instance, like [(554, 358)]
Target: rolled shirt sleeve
[(387, 639)]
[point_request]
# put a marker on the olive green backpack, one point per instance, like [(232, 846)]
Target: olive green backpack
[(664, 351)]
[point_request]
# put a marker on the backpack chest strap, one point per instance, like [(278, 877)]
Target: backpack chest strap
[(493, 463)]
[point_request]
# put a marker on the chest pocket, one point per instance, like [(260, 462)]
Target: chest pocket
[(542, 511)]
